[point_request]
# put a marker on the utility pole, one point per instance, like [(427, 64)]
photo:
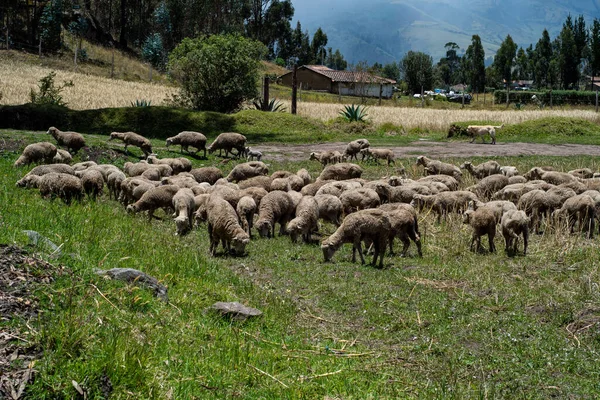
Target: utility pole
[(294, 89)]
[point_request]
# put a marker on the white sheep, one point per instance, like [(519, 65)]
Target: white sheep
[(189, 139), (36, 152), (73, 141), (252, 154), (223, 226), (133, 139), (154, 198), (275, 207), (306, 221), (228, 141), (184, 206), (64, 186), (515, 223), (483, 222)]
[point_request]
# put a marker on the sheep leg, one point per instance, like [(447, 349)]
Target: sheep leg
[(358, 247), (525, 241), (391, 243), (406, 244), (491, 235), (415, 237)]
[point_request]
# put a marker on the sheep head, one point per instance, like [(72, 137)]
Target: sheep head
[(264, 228), (52, 131), (169, 141), (239, 243), (183, 225), (329, 250)]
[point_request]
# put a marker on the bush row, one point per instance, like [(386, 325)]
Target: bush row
[(559, 97)]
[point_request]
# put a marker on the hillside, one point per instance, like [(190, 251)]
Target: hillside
[(384, 30)]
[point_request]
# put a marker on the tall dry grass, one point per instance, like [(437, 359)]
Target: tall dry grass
[(88, 92)]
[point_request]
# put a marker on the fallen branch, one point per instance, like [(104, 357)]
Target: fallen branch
[(269, 375), (307, 378)]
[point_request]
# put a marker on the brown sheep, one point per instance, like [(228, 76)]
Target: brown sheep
[(275, 207), (36, 152), (483, 222), (189, 139), (133, 139), (228, 141), (515, 223), (73, 141), (223, 226)]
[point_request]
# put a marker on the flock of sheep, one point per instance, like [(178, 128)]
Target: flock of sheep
[(368, 214)]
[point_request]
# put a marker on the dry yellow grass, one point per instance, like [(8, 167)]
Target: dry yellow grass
[(88, 92)]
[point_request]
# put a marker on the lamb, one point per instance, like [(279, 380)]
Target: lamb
[(325, 157), (228, 141), (260, 181), (515, 223), (489, 185), (207, 174), (252, 154), (64, 186), (499, 207), (306, 221), (178, 165), (36, 152), (509, 171), (157, 197), (223, 226), (373, 225), (483, 222), (184, 206), (92, 181), (581, 208), (450, 182), (304, 175), (436, 167), (582, 173), (340, 172), (275, 207), (330, 208), (355, 146), (73, 141), (379, 154), (359, 199), (62, 157), (133, 139), (114, 181), (246, 208), (482, 130), (482, 170), (187, 139), (443, 203), (247, 170)]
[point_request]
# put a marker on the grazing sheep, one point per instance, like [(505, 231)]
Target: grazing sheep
[(383, 189), (281, 184), (133, 139), (325, 157), (582, 173), (255, 192), (261, 181), (359, 199), (450, 182), (373, 225), (489, 185), (132, 189), (252, 154), (553, 177), (275, 207), (184, 206), (436, 167), (516, 179), (64, 186), (156, 197), (404, 225), (36, 152), (296, 197), (515, 223), (379, 154), (114, 181), (482, 130), (483, 222), (47, 169), (443, 203), (228, 141), (407, 192), (340, 172), (509, 171), (62, 157), (83, 165), (354, 147), (330, 208), (306, 221), (580, 208), (92, 181), (183, 180), (223, 226), (187, 139), (73, 141), (136, 169), (281, 174), (336, 188), (304, 175), (200, 202), (312, 188), (499, 207), (405, 207), (153, 174), (246, 208), (482, 170), (515, 191), (247, 170), (178, 165), (206, 174)]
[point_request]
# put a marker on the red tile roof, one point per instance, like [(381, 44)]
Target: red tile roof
[(347, 76)]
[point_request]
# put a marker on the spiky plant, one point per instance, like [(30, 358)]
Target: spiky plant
[(141, 103), (354, 113), (273, 106)]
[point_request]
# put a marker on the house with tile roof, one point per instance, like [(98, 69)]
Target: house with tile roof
[(344, 83)]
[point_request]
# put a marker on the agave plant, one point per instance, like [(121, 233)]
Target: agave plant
[(354, 113), (141, 103), (273, 106)]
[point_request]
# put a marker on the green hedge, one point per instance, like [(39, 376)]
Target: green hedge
[(559, 97)]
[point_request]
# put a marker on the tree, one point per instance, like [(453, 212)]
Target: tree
[(543, 54), (580, 35), (153, 51), (301, 45), (51, 25), (450, 65), (505, 59), (217, 73), (417, 69), (595, 48), (318, 44), (335, 60), (391, 71), (522, 65), (476, 64), (567, 59)]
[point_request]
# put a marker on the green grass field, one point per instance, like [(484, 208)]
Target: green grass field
[(453, 324)]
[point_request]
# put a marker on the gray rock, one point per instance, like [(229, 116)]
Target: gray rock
[(131, 275), (236, 310)]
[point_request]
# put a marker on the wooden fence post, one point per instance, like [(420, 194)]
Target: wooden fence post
[(294, 89), (265, 104)]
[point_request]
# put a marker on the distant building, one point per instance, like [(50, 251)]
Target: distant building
[(345, 83), (593, 84)]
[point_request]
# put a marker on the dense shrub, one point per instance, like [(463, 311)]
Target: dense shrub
[(559, 97)]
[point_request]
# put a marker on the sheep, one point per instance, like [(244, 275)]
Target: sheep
[(187, 139), (582, 208), (340, 172), (183, 180), (64, 186), (450, 182), (223, 226), (62, 157), (261, 181), (499, 207), (137, 169), (407, 192), (36, 152), (372, 224), (359, 199), (92, 182), (132, 189), (296, 197), (483, 222), (245, 209), (516, 179), (80, 166), (133, 139), (443, 203), (312, 188), (73, 141), (183, 203), (114, 184), (200, 202), (178, 165), (153, 174), (553, 177), (379, 154), (404, 225), (255, 192), (509, 171), (228, 141), (157, 197), (306, 221), (355, 146), (325, 157), (46, 169), (482, 170), (436, 167), (382, 188), (304, 175), (281, 174), (275, 207), (330, 208), (515, 191), (482, 130), (489, 185), (515, 223), (247, 170), (583, 173), (336, 188), (252, 154), (207, 174)]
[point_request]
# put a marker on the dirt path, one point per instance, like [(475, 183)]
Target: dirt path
[(285, 152)]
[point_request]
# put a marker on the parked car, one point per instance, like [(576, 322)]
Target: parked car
[(458, 98)]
